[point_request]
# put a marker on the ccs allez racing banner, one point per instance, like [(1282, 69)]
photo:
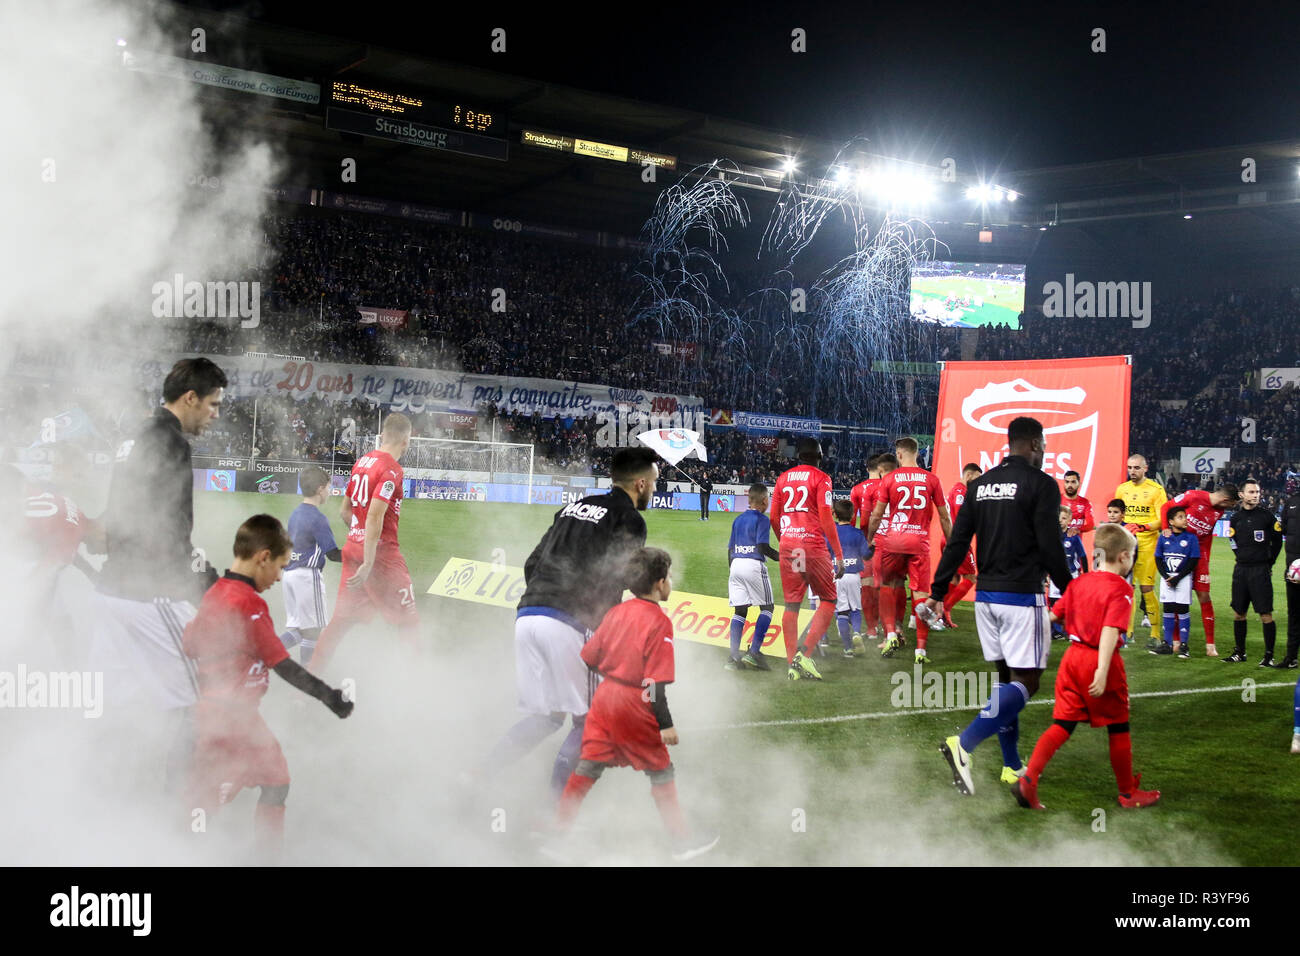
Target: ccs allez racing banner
[(1083, 404)]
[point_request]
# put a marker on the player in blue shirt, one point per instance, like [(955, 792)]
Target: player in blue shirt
[(747, 583), (313, 545), (1177, 553), (848, 589), (1076, 559)]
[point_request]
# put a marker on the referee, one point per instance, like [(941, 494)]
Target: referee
[(574, 575), (1255, 535), (1013, 513), (1291, 529), (152, 581)]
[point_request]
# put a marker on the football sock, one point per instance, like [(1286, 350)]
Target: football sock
[(820, 622), (760, 632), (922, 629), (665, 795), (1121, 760), (575, 790), (1297, 707), (291, 638), (1171, 627), (955, 594), (870, 607), (790, 631), (308, 646), (855, 619), (900, 609), (1270, 637), (1239, 636), (1185, 629), (268, 828), (567, 758), (846, 636), (888, 610), (1048, 744), (1009, 740), (737, 625), (1004, 704), (1207, 621), (1152, 606)]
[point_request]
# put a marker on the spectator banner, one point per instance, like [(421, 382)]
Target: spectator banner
[(1275, 378), (905, 368), (387, 318), (755, 422), (424, 390), (720, 416), (686, 351), (392, 207), (1083, 404), (1202, 461), (701, 618)]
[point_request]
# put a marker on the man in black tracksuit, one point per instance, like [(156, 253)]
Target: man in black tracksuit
[(576, 573), (1255, 535), (706, 489), (1013, 513), (1291, 529)]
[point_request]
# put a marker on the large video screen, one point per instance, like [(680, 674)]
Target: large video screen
[(968, 294)]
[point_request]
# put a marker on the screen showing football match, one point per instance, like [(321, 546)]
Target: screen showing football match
[(968, 294)]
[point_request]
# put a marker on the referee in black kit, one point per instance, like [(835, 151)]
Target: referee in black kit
[(1291, 531), (1013, 513), (574, 575), (152, 581), (1255, 535)]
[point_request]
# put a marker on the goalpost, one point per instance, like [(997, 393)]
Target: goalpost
[(455, 459)]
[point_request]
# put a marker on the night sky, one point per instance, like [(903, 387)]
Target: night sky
[(1001, 86)]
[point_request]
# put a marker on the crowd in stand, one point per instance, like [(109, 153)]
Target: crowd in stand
[(507, 305)]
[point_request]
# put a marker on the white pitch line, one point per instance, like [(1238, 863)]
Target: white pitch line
[(914, 711)]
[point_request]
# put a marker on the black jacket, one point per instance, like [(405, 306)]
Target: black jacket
[(1255, 535), (150, 517), (580, 565), (1291, 527), (1012, 512)]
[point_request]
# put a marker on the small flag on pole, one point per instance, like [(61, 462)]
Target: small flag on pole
[(675, 444)]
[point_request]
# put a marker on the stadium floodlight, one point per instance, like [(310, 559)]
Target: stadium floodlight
[(997, 194), (121, 42), (839, 176), (1012, 195), (1187, 215), (863, 179), (789, 165)]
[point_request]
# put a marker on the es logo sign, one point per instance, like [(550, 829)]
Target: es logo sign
[(270, 485), (1205, 465)]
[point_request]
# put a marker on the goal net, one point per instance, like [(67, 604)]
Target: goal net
[(457, 460)]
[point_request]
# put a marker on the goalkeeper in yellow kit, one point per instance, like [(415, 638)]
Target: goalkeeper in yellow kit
[(1143, 499)]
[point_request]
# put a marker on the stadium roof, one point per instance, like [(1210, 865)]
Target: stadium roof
[(1138, 201)]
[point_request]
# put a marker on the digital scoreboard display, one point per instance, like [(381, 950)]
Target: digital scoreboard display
[(589, 147), (408, 116)]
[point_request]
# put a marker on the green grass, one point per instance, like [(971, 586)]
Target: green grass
[(1004, 304), (1222, 762)]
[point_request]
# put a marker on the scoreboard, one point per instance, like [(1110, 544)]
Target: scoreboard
[(407, 116)]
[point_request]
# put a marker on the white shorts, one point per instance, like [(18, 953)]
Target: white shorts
[(848, 593), (137, 644), (550, 676), (1019, 635), (748, 583), (304, 598), (1180, 594)]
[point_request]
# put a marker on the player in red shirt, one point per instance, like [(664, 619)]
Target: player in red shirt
[(912, 495), (885, 463), (1081, 519), (801, 514), (1091, 683), (1204, 509), (236, 646), (629, 724), (374, 576), (966, 572), (863, 499)]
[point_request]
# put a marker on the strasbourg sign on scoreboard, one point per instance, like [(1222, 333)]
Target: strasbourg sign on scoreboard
[(1083, 404)]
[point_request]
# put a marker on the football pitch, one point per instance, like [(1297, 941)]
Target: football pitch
[(1002, 301), (845, 771)]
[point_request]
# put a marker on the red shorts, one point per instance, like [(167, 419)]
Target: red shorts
[(1073, 677), (818, 573), (967, 563), (388, 590), (1201, 582), (896, 565), (621, 729), (234, 749)]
